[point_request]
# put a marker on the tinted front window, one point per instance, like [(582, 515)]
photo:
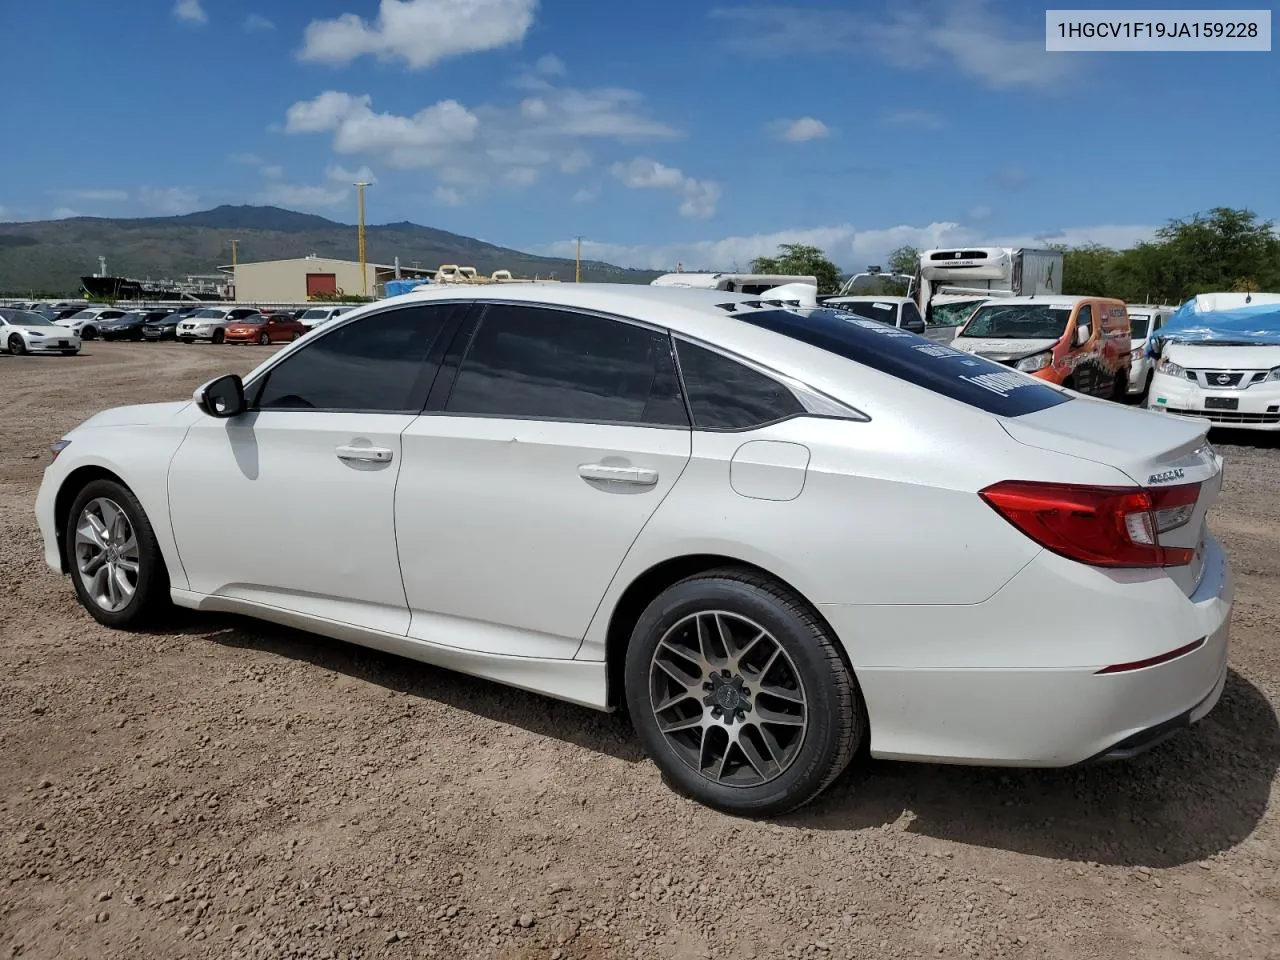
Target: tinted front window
[(727, 395), (208, 313), (1018, 321), (932, 366), (872, 310), (377, 364), (315, 314), (539, 363), (24, 319)]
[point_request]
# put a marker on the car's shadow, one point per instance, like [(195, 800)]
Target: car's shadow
[(1192, 797)]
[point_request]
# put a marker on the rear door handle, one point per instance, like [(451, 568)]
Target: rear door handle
[(364, 454), (640, 476)]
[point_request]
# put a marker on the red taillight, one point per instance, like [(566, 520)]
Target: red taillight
[(1100, 526)]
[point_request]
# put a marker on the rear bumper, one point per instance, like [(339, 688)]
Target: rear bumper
[(1256, 407), (1015, 681)]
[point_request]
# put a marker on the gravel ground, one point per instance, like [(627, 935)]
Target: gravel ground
[(230, 789)]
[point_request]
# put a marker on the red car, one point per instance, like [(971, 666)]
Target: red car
[(265, 328)]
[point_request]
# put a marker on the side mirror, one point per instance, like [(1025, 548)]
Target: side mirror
[(1082, 335), (222, 398)]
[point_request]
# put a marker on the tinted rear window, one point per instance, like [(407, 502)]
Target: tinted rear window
[(961, 376)]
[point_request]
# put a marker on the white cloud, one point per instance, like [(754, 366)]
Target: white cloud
[(798, 131), (511, 144), (168, 201), (550, 66), (642, 173), (190, 11), (419, 32), (849, 247), (964, 36), (447, 197), (272, 171), (97, 196), (925, 119), (257, 23), (340, 174), (303, 196), (980, 212), (4, 214), (588, 194)]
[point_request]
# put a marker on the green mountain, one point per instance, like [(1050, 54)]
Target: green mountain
[(50, 256)]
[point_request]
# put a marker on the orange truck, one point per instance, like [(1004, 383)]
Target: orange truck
[(1078, 342)]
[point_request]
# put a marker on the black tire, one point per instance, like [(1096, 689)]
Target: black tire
[(151, 595), (264, 339), (17, 346), (836, 719), (69, 353), (186, 340), (89, 333), (219, 336)]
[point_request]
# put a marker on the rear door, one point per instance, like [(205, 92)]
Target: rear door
[(534, 470)]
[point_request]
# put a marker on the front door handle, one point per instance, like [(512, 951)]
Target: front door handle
[(364, 454), (640, 476)]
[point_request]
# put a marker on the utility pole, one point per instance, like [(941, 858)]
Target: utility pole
[(364, 270), (235, 260), (577, 266)]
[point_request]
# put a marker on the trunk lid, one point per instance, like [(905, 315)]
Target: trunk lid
[(1152, 450)]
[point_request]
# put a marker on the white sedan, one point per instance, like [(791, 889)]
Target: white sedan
[(22, 331), (774, 533)]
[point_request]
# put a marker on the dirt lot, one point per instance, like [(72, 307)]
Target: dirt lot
[(230, 789)]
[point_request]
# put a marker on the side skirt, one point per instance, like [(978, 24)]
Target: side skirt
[(582, 682)]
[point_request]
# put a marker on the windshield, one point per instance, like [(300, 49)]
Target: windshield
[(1018, 321), (315, 314), (209, 313), (952, 314), (84, 315), (1138, 324), (24, 318), (872, 310)]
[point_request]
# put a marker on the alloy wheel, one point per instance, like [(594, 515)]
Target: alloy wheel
[(107, 558), (728, 698)]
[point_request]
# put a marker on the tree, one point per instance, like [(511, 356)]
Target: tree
[(798, 259), (904, 260)]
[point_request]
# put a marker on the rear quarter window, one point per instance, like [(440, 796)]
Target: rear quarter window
[(932, 366)]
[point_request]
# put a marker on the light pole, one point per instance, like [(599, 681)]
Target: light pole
[(577, 264), (364, 270), (234, 263)]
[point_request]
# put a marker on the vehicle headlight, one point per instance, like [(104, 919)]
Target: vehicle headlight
[(34, 333), (1169, 368), (1138, 354), (1037, 361)]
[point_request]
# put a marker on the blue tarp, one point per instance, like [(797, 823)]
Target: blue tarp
[(397, 287), (1254, 323)]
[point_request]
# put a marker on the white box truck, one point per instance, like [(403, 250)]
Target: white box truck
[(957, 280)]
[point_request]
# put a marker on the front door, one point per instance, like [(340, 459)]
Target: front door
[(520, 497), (292, 504)]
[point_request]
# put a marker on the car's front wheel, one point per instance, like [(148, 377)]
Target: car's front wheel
[(88, 333), (116, 564), (218, 336), (17, 346), (264, 339), (740, 695)]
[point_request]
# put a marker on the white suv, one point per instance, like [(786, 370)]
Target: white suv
[(87, 323), (210, 323), (318, 315)]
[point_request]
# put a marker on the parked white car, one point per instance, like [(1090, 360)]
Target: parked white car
[(1228, 385), (86, 324), (1145, 322), (210, 323), (315, 316), (894, 311), (22, 331), (777, 534)]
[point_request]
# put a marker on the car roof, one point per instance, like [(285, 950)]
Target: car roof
[(1050, 301)]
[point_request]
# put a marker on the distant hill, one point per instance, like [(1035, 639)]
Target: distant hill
[(50, 256)]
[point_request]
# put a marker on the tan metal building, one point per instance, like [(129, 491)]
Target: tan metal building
[(296, 281)]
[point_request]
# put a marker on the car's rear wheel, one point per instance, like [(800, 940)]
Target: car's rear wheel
[(740, 694), (17, 346), (116, 564)]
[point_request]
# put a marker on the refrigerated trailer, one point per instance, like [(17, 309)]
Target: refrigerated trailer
[(988, 272)]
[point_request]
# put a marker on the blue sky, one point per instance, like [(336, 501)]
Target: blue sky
[(661, 131)]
